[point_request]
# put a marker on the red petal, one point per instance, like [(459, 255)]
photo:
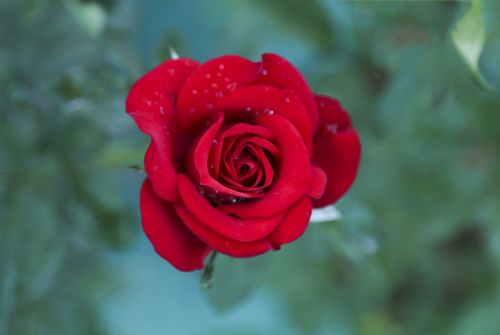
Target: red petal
[(220, 243), (294, 224), (337, 150), (154, 92), (211, 81), (318, 183), (271, 100), (237, 229), (201, 161), (158, 160), (278, 72), (292, 180), (170, 238), (150, 103)]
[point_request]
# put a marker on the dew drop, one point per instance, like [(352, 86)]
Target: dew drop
[(205, 91), (231, 87), (287, 100), (214, 85), (171, 72), (162, 110), (219, 74), (215, 142), (269, 111), (221, 67), (194, 92), (208, 76), (210, 106), (149, 103), (332, 128), (227, 80), (248, 109), (155, 168), (219, 95), (264, 72)]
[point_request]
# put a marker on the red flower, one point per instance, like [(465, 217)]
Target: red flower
[(240, 153)]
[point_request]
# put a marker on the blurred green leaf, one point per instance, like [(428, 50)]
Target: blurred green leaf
[(469, 36)]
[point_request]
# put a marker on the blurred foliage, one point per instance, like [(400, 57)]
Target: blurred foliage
[(418, 248)]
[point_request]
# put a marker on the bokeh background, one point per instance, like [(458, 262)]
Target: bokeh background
[(417, 250)]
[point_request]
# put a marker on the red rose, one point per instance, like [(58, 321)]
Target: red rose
[(240, 153)]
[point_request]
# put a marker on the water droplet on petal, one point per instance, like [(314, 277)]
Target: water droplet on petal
[(194, 92), (226, 80), (162, 110), (264, 72), (149, 103), (208, 76), (171, 72), (287, 100), (214, 85), (332, 128), (219, 95), (231, 87), (221, 67), (210, 106), (215, 141), (248, 109), (269, 111), (205, 91)]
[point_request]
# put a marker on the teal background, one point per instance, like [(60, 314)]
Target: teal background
[(417, 250)]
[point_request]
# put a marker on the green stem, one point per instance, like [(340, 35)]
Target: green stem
[(206, 278)]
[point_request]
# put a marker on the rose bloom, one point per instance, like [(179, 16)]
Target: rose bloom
[(240, 153)]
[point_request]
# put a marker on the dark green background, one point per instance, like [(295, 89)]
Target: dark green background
[(416, 252)]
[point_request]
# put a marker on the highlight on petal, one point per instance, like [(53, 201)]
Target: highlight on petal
[(231, 227), (277, 71), (167, 233), (209, 83), (337, 150), (294, 224), (220, 243), (293, 173)]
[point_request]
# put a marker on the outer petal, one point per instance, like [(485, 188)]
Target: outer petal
[(337, 150), (234, 228), (292, 180), (294, 224), (318, 183), (150, 103), (278, 72), (220, 243), (269, 99), (210, 82), (170, 238)]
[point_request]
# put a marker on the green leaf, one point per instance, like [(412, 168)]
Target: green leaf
[(469, 36)]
